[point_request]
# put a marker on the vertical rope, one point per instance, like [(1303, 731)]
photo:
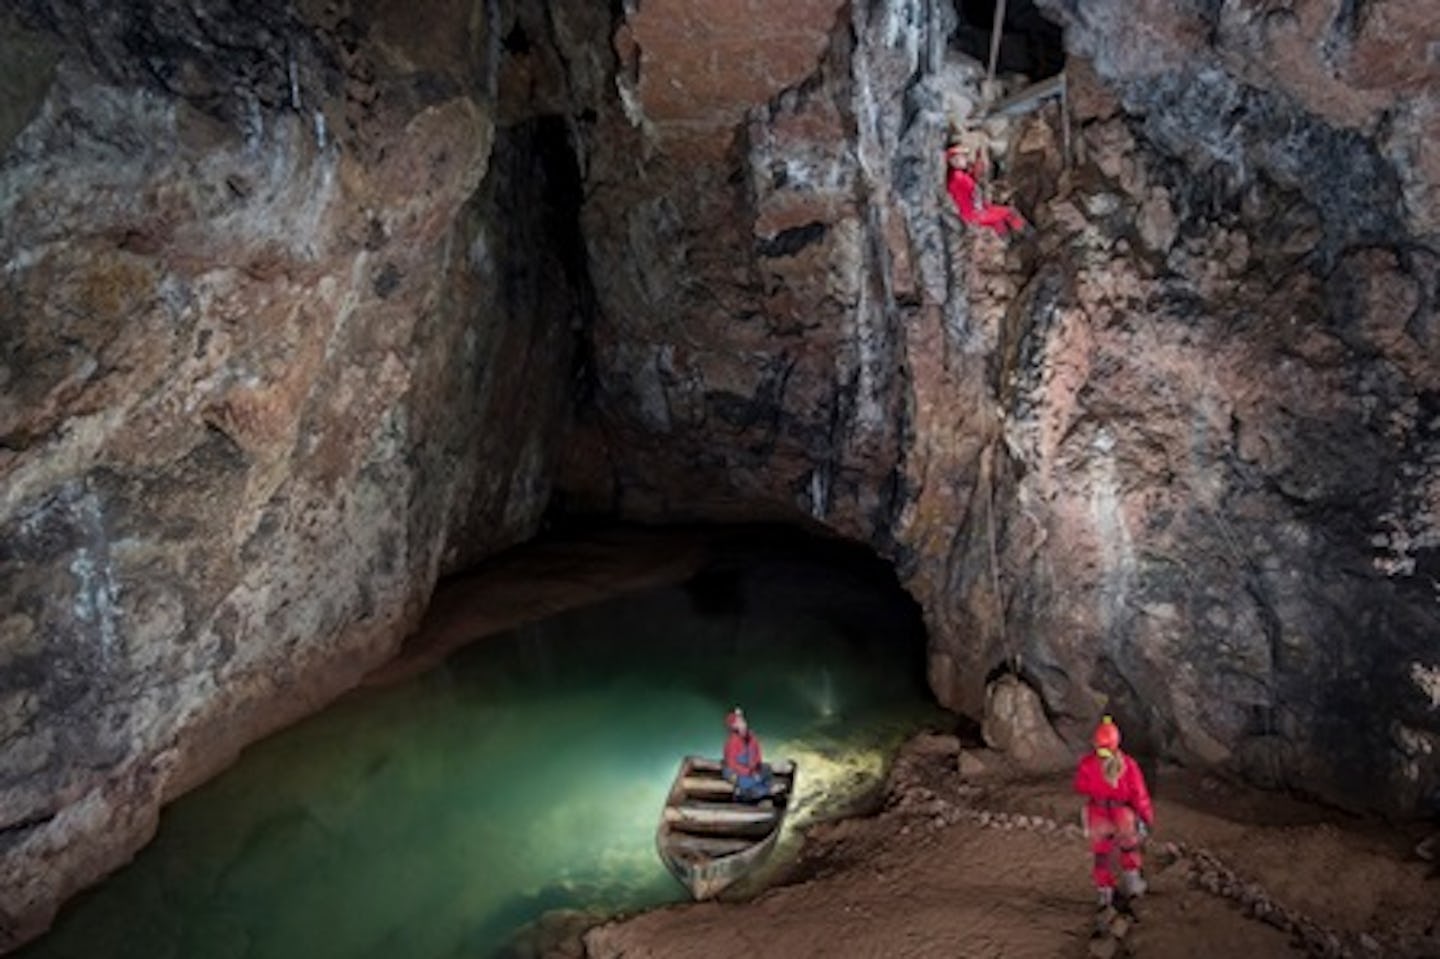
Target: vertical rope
[(1065, 120), (995, 40), (930, 63), (988, 466)]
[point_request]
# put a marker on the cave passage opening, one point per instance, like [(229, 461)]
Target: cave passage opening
[(452, 813), (1030, 43)]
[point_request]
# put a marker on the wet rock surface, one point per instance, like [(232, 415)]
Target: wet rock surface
[(1228, 408), (1171, 457), (254, 301)]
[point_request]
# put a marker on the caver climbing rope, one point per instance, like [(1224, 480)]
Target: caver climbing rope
[(964, 181), (987, 467), (967, 153)]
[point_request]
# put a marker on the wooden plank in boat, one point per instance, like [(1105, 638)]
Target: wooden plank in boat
[(715, 827), (709, 785), (701, 766), (708, 845), (701, 803), (719, 815)]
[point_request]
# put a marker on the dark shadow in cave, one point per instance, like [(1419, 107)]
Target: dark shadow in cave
[(728, 575), (847, 584), (728, 571), (538, 193), (563, 194), (1029, 44)]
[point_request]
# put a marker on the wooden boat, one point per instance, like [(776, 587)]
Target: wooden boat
[(707, 838)]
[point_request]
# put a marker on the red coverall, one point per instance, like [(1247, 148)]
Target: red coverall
[(961, 182), (1111, 812), (742, 753)]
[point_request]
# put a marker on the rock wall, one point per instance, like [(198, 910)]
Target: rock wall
[(1223, 419), (1172, 457), (281, 338), (746, 352)]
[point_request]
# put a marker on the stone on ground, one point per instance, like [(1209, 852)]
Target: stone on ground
[(1015, 724)]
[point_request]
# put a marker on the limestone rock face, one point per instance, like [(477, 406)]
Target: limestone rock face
[(266, 364), (1223, 429), (689, 72), (1175, 454), (748, 352)]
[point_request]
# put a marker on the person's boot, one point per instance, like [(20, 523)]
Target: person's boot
[(1134, 884), (1104, 910)]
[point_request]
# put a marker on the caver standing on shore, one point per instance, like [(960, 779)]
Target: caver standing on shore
[(1118, 812), (743, 765)]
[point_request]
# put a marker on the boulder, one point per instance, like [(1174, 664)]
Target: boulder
[(1016, 724)]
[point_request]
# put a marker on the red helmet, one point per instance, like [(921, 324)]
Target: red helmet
[(1107, 734)]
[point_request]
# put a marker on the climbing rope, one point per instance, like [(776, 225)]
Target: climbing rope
[(995, 31), (987, 465), (1035, 93)]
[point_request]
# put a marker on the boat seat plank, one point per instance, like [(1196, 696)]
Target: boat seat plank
[(708, 845), (700, 765), (699, 784), (702, 802), (718, 812)]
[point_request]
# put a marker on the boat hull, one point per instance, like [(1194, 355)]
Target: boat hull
[(706, 838)]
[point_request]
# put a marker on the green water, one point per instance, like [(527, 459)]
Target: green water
[(438, 818)]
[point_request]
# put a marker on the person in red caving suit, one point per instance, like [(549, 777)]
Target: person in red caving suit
[(1118, 812), (743, 764), (962, 181)]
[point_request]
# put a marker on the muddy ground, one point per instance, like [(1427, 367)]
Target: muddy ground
[(992, 863)]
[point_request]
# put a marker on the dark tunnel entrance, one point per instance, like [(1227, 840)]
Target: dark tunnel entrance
[(1029, 43)]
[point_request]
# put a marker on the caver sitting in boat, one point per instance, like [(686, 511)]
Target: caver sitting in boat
[(743, 767)]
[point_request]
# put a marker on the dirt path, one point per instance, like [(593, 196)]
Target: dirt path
[(993, 865)]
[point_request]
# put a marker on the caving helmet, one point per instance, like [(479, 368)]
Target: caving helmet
[(1107, 736)]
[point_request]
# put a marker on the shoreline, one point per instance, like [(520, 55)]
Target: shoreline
[(993, 862)]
